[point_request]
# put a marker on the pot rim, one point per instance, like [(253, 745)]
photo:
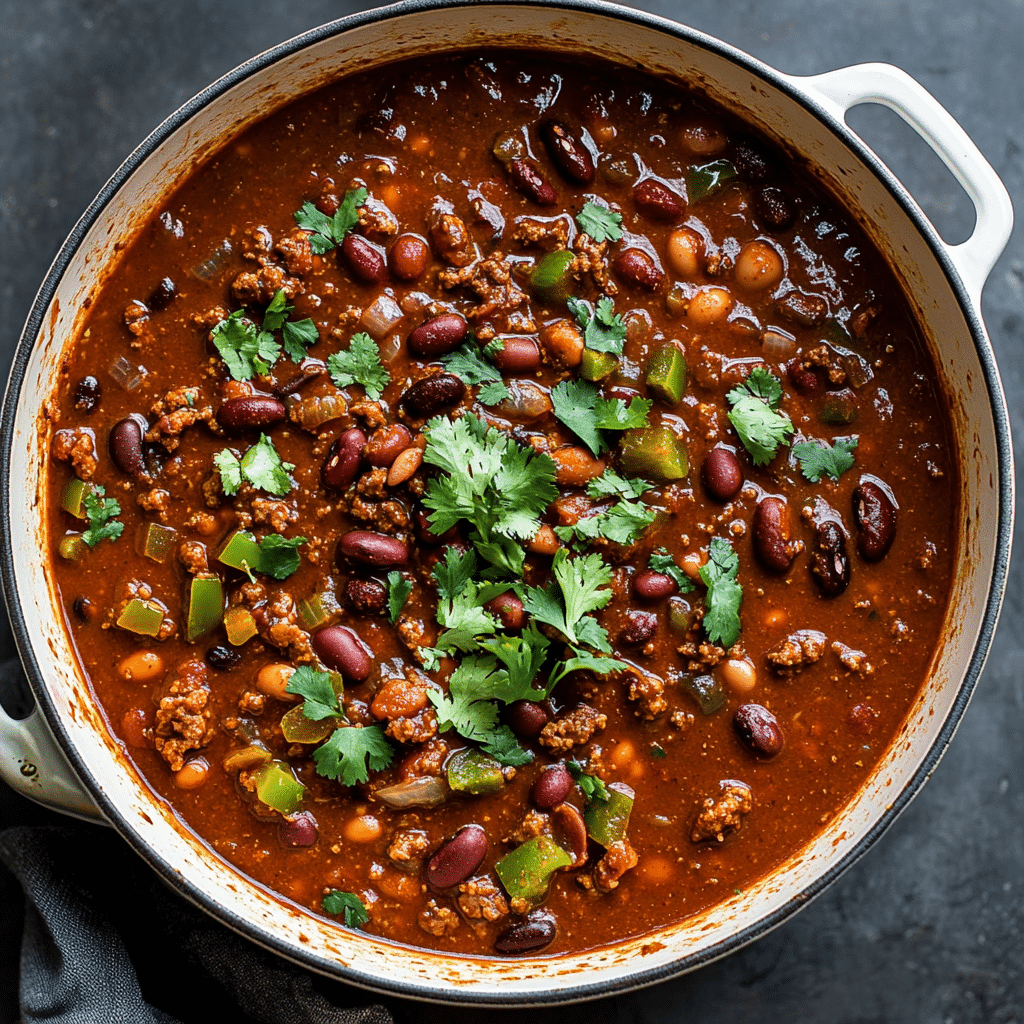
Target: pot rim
[(587, 990)]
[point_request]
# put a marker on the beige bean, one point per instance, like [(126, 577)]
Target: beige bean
[(623, 754), (700, 138), (545, 542), (404, 466), (738, 674), (709, 306), (564, 342), (575, 466), (141, 667), (685, 253), (691, 564), (193, 774), (363, 829), (273, 678), (758, 267)]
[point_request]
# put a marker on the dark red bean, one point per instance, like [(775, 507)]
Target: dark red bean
[(222, 658), (437, 336), (574, 832), (386, 444), (457, 858), (803, 309), (875, 515), (162, 296), (363, 259), (298, 830), (553, 785), (421, 521), (532, 183), (637, 270), (656, 201), (253, 412), (375, 549), (831, 565), (653, 586), (751, 162), (569, 155), (806, 379), (84, 608), (773, 534), (432, 394), (526, 934), (408, 257), (88, 394), (519, 355), (722, 474), (126, 446), (621, 391), (340, 649), (508, 609), (526, 718), (343, 457), (366, 596), (639, 629), (774, 209), (759, 729)]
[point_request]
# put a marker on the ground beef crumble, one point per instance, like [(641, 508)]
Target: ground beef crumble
[(719, 817), (77, 445), (182, 717)]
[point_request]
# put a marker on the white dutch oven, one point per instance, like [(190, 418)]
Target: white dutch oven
[(805, 115)]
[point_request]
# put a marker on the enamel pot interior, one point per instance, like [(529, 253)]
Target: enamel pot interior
[(776, 107)]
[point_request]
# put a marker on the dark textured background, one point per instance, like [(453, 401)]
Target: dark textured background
[(927, 927)]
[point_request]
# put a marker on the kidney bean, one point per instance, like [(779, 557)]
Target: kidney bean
[(875, 515), (526, 718), (457, 858), (574, 831), (831, 566), (722, 474), (532, 183), (526, 934), (639, 629), (519, 355), (437, 336), (340, 649), (408, 257), (222, 658), (772, 534), (126, 445), (86, 611), (421, 522), (162, 296), (88, 393), (656, 201), (254, 412), (621, 391), (363, 259), (759, 729), (373, 549), (432, 394), (508, 609), (386, 443), (803, 309), (298, 830), (653, 586), (806, 379), (750, 161), (568, 153), (637, 270), (366, 596), (774, 209), (342, 462), (553, 785)]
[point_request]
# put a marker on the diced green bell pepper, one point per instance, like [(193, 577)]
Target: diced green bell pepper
[(72, 498), (142, 617), (297, 728), (277, 787), (156, 542), (310, 612), (72, 547), (607, 820), (654, 453), (246, 758), (707, 179), (205, 606), (239, 625), (240, 551), (666, 373), (706, 690), (550, 279), (526, 871), (597, 365), (839, 409), (472, 771)]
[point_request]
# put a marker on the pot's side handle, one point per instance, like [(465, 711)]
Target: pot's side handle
[(31, 763), (840, 90)]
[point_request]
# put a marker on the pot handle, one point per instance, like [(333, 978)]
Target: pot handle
[(840, 90), (32, 764)]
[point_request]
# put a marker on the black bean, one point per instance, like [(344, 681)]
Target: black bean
[(831, 565), (527, 934), (432, 394), (88, 394), (774, 209), (222, 658), (162, 296)]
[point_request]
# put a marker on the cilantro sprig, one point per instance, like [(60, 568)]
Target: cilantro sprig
[(317, 689), (360, 364), (592, 787), (661, 561), (602, 224), (346, 904), (755, 414), (724, 595), (350, 753), (590, 416), (399, 589), (611, 485), (279, 556), (603, 329), (260, 466), (468, 363), (819, 457), (621, 523), (100, 512), (327, 232)]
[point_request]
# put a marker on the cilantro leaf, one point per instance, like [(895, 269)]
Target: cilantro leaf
[(661, 561), (522, 657), (621, 523), (755, 415), (360, 364), (248, 350), (297, 336), (580, 406), (603, 329), (399, 589), (600, 223), (578, 588), (279, 556), (263, 468), (101, 512), (318, 690), (350, 753), (598, 664), (327, 232), (230, 470), (817, 457), (593, 788), (724, 596), (466, 362), (461, 600), (503, 746), (348, 904), (610, 485)]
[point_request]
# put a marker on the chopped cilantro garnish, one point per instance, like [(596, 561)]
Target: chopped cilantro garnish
[(327, 232), (724, 596), (817, 457), (661, 561), (101, 512), (318, 690), (260, 466), (347, 904), (399, 589), (350, 753), (755, 415), (360, 364), (460, 601), (593, 788), (579, 587), (621, 523), (581, 407), (610, 485), (602, 224), (279, 556), (603, 329), (658, 751), (467, 362)]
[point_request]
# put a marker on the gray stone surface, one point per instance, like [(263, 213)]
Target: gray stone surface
[(927, 927)]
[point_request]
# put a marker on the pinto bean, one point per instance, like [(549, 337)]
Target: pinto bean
[(432, 394), (532, 183), (526, 718), (437, 336), (126, 445), (375, 549), (568, 153), (575, 466), (564, 342), (772, 534), (637, 270), (340, 649), (363, 259), (298, 830), (386, 443), (639, 629), (656, 201), (722, 474), (653, 586), (759, 729), (527, 934), (408, 257), (758, 267), (518, 355), (553, 785), (343, 458), (457, 858), (508, 609), (831, 565), (875, 515), (366, 596), (254, 412)]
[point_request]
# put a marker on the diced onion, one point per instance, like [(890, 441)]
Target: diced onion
[(127, 374), (428, 791), (526, 401), (315, 410), (777, 346), (379, 317), (206, 270), (858, 370)]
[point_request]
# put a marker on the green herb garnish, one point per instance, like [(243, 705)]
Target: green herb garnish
[(724, 596), (603, 329), (347, 904), (260, 466), (468, 363), (602, 224), (101, 512), (327, 232), (661, 561), (817, 457), (582, 408), (350, 753), (359, 364), (399, 589), (755, 415)]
